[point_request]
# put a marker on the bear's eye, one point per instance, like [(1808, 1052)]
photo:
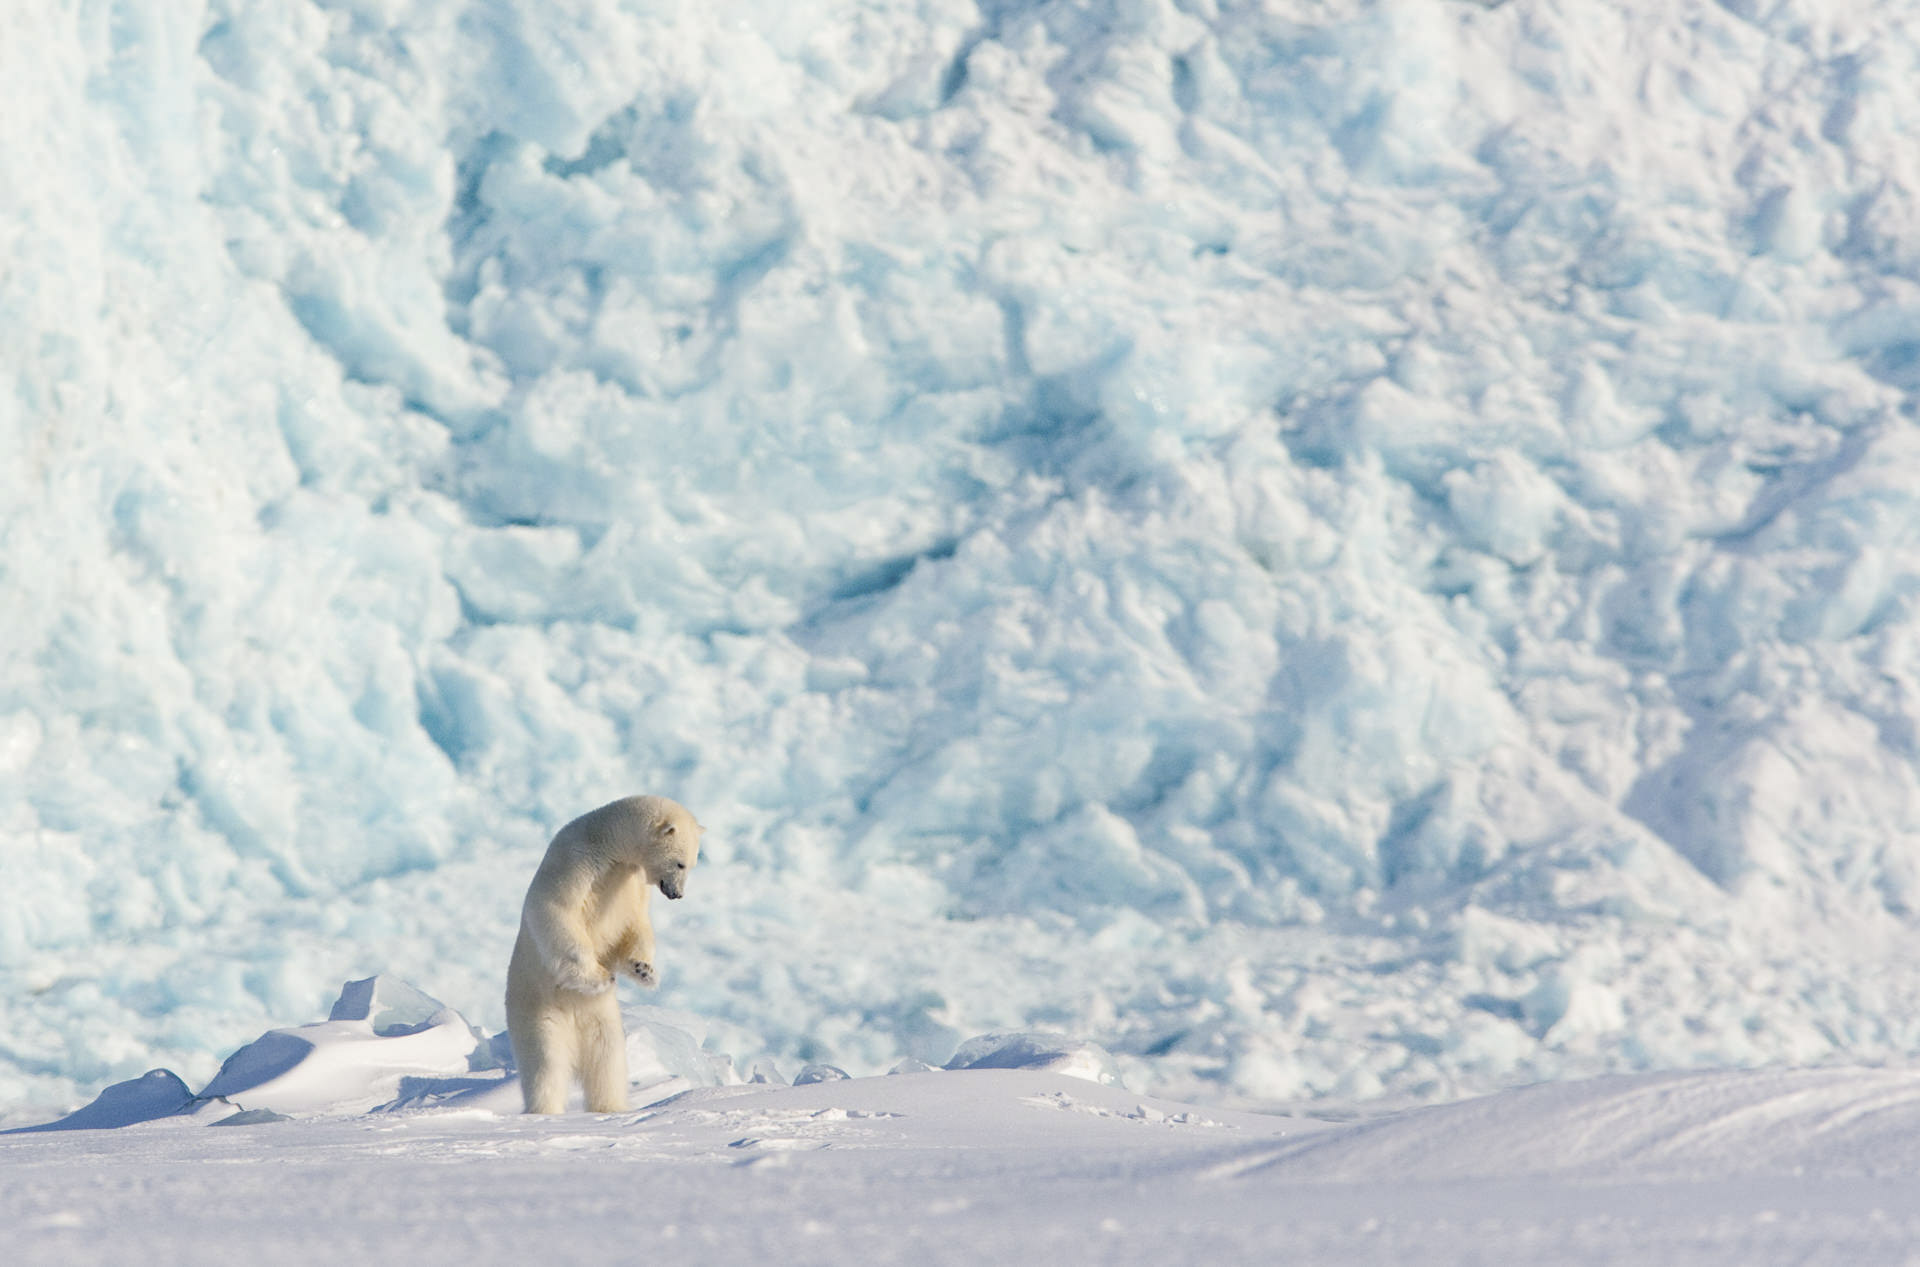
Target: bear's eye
[(679, 866)]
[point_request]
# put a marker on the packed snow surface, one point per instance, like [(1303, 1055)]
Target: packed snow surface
[(1008, 1160), (1334, 548)]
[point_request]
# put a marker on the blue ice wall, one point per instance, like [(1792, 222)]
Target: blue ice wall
[(1336, 548)]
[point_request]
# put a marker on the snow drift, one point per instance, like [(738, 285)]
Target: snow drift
[(1000, 1156), (386, 1047), (1335, 547)]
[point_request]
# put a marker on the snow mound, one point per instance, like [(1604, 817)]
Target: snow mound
[(378, 1034), (155, 1094)]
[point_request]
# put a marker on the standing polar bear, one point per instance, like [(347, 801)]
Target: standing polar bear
[(583, 923)]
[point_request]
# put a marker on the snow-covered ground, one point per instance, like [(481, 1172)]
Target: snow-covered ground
[(1345, 551), (381, 1135)]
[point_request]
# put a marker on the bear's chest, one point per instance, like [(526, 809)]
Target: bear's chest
[(615, 903)]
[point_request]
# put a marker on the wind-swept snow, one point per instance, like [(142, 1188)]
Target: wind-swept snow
[(997, 1164)]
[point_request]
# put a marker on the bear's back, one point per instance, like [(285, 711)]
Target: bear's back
[(630, 817)]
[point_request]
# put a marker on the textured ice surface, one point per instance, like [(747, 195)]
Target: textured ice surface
[(1327, 547)]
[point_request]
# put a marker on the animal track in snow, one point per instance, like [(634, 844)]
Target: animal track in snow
[(1138, 1113)]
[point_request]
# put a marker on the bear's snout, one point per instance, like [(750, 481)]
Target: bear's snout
[(673, 886)]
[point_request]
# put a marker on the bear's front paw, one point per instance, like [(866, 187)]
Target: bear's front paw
[(643, 972), (584, 978)]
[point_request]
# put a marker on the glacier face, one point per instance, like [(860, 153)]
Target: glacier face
[(1335, 548)]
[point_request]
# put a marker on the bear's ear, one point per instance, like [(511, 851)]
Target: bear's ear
[(667, 830)]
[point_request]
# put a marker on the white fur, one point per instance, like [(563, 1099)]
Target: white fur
[(583, 923)]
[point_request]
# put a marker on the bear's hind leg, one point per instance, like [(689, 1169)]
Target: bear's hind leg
[(547, 1060), (603, 1055)]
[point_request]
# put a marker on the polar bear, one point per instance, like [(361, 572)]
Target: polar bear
[(584, 922)]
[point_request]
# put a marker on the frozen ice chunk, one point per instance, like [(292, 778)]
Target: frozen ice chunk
[(390, 1008), (664, 1058), (1055, 1053)]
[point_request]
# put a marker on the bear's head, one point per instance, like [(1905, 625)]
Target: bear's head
[(671, 847)]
